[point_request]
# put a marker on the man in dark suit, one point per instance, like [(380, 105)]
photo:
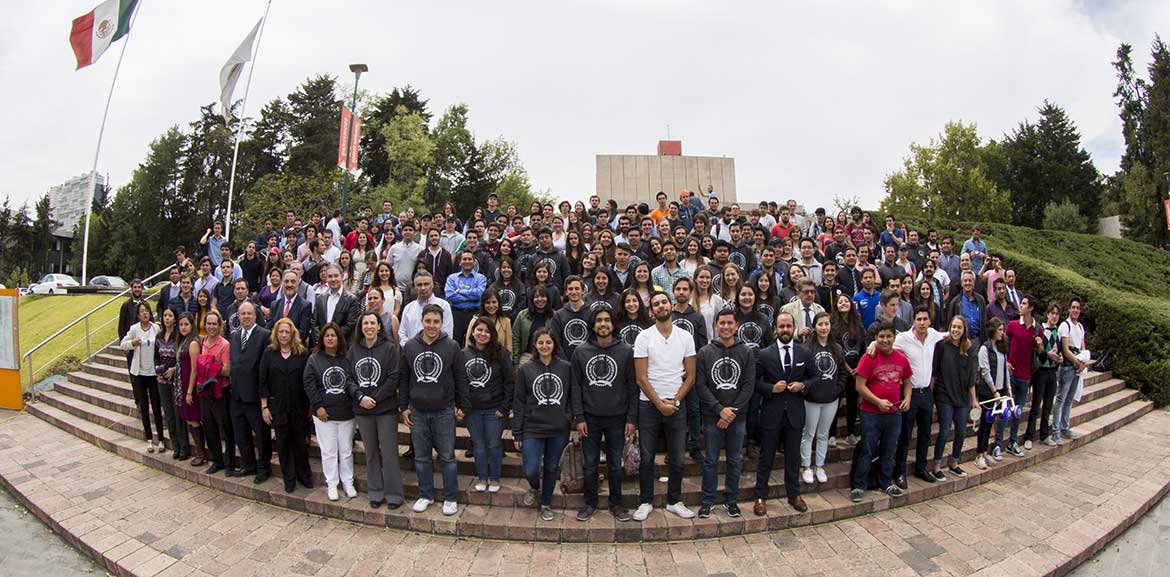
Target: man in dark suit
[(292, 305), (780, 374), (168, 292), (439, 261), (336, 305), (247, 346), (128, 314)]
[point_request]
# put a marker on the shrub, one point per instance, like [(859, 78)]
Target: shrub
[(1065, 216)]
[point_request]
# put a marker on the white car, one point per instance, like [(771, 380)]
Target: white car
[(54, 284)]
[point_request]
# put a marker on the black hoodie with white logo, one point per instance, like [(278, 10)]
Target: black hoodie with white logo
[(329, 383), (489, 381), (541, 405), (376, 371), (692, 322), (603, 382), (725, 376), (431, 376), (571, 328)]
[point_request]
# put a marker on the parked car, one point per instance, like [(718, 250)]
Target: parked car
[(113, 282), (53, 283)]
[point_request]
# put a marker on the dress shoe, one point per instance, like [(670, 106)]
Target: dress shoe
[(409, 454), (798, 503), (696, 455), (760, 508), (306, 482), (290, 486), (261, 477), (241, 472), (214, 468), (901, 482), (753, 452), (375, 504)]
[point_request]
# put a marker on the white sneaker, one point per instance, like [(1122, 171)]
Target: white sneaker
[(480, 486), (421, 504), (450, 508), (1028, 445), (680, 510), (832, 442), (331, 492), (980, 462), (602, 457), (643, 512), (350, 491), (997, 453), (821, 476), (1051, 442), (493, 487), (807, 476)]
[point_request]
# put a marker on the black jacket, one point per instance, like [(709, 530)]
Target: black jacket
[(755, 330), (441, 266), (954, 374), (245, 367), (541, 405), (428, 376), (282, 382), (725, 377), (692, 322), (128, 315), (345, 313), (827, 374), (375, 369), (603, 382), (300, 313), (558, 265), (571, 328), (329, 383), (778, 407), (513, 297), (627, 329), (489, 382)]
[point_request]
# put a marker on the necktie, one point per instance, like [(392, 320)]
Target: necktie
[(807, 320), (244, 339), (287, 305), (787, 358)]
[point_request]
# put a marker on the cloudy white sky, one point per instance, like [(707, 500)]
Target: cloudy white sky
[(812, 99)]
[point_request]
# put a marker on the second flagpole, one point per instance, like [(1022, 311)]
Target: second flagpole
[(227, 221)]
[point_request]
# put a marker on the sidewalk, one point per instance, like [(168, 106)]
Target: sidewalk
[(140, 521)]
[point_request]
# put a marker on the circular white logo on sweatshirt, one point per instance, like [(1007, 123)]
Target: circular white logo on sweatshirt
[(333, 379), (725, 373), (629, 334), (368, 372), (685, 325), (507, 299), (576, 331), (479, 372), (601, 370), (427, 367), (826, 364), (750, 334), (548, 389), (737, 259)]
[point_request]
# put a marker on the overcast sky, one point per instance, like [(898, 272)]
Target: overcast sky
[(812, 99)]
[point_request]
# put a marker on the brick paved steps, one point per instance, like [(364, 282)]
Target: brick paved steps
[(504, 520), (122, 407)]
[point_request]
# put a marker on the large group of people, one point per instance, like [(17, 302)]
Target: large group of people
[(724, 333)]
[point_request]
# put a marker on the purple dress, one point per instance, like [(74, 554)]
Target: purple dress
[(187, 412)]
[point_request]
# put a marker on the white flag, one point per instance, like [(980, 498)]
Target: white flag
[(230, 73)]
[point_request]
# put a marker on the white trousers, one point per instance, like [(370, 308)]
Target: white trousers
[(335, 438)]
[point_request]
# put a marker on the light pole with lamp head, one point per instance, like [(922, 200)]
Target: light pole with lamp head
[(357, 70)]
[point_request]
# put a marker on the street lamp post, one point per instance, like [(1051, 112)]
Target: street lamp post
[(357, 70)]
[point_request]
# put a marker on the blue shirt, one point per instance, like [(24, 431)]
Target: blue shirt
[(213, 246), (887, 239), (867, 305), (973, 246), (464, 291), (970, 310)]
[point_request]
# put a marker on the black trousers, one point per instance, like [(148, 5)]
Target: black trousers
[(611, 430), (786, 432), (147, 400), (852, 406), (1043, 392), (650, 423), (217, 429), (460, 318), (292, 450), (920, 413), (249, 424), (176, 427)]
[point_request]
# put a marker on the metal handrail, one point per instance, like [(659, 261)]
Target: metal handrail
[(26, 358)]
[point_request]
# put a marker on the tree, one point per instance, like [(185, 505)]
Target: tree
[(43, 227), (1066, 216), (947, 179), (1046, 164), (1139, 188), (453, 145), (409, 149), (375, 161), (204, 173), (314, 110)]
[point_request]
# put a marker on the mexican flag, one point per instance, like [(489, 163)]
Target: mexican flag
[(94, 32)]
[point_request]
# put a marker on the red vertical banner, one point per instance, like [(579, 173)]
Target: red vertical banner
[(354, 143), (1167, 203), (341, 143)]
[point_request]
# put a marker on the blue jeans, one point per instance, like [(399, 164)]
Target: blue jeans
[(543, 454), (950, 417), (879, 437), (1062, 407), (613, 431), (435, 430), (486, 433), (1020, 394), (731, 440)]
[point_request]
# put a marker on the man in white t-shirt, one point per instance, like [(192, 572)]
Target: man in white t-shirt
[(664, 363), (1072, 342)]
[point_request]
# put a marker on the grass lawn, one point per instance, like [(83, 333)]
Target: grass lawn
[(42, 315)]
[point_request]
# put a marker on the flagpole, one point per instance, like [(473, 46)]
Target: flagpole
[(97, 153), (227, 221)]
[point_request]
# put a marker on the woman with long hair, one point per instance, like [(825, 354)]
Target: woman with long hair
[(332, 391), (362, 248), (536, 316), (633, 317), (705, 300), (348, 278), (822, 394), (767, 302), (375, 302), (790, 293), (213, 404), (368, 266), (603, 293), (204, 301), (188, 351), (655, 256), (512, 293), (140, 340), (491, 311), (605, 239), (541, 422), (283, 403), (847, 332), (272, 260), (729, 282), (170, 387), (953, 381), (541, 278), (269, 291), (693, 258), (391, 295), (488, 366), (589, 268), (558, 233), (992, 383), (574, 250), (708, 246), (755, 330), (640, 282), (923, 295), (375, 360)]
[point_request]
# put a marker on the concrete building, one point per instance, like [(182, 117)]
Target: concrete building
[(636, 178), (68, 201)]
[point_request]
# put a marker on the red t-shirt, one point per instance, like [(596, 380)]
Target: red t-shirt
[(781, 231), (884, 375), (1023, 344)]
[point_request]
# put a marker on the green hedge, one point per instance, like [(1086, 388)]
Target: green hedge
[(1124, 286)]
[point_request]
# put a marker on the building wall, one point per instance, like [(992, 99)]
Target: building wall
[(68, 201), (631, 179), (1110, 227)]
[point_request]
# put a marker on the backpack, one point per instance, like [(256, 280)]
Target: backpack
[(572, 469), (631, 456)]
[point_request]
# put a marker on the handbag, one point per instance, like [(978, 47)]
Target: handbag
[(572, 469), (631, 457), (207, 368)]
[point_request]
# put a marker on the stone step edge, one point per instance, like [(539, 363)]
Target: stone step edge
[(513, 523)]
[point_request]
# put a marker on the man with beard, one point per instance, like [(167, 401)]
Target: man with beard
[(604, 399), (780, 375), (685, 317), (725, 379)]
